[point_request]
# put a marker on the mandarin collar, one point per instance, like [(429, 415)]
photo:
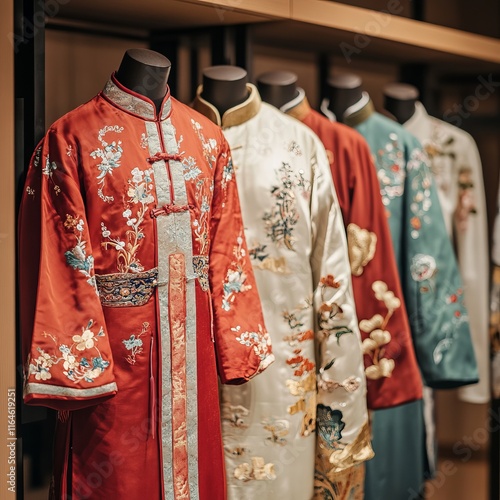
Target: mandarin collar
[(299, 107), (233, 116), (360, 115), (418, 124), (354, 114), (135, 103)]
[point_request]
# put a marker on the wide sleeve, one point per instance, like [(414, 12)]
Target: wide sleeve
[(433, 288), (471, 237), (342, 420), (391, 369), (242, 343), (65, 345)]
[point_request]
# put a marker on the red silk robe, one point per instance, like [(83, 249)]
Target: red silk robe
[(391, 369), (136, 289)]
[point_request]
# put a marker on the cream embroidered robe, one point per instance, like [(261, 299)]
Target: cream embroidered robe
[(297, 245)]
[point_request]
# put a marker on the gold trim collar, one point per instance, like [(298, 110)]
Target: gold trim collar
[(301, 110), (358, 117), (234, 116)]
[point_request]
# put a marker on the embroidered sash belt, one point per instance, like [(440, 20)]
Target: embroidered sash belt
[(135, 289), (126, 289)]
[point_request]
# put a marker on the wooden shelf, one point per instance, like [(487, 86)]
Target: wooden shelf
[(324, 25), (156, 14), (397, 29), (317, 25)]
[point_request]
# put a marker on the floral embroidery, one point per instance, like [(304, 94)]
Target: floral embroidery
[(330, 314), (110, 155), (210, 146), (304, 184), (200, 267), (237, 451), (30, 191), (258, 253), (191, 170), (441, 151), (201, 230), (420, 184), (350, 384), (76, 365), (330, 426), (140, 194), (266, 262), (227, 174), (257, 470), (235, 276), (77, 257), (134, 344), (391, 170), (450, 328), (281, 219), (423, 269), (144, 141), (49, 169), (379, 337), (235, 415), (69, 150), (361, 245), (466, 202), (339, 474), (303, 385), (278, 428), (294, 148), (260, 341), (36, 157), (331, 321)]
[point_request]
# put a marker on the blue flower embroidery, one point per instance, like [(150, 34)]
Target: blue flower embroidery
[(329, 425), (132, 342)]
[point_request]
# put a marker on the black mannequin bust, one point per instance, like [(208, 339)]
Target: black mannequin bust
[(145, 72), (277, 87), (343, 91), (224, 86), (400, 99)]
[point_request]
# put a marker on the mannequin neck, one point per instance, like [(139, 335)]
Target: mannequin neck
[(224, 87), (342, 92), (399, 100), (145, 72), (277, 87)]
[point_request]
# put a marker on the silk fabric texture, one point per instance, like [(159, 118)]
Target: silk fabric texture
[(136, 289), (391, 368), (456, 167), (297, 242), (433, 293)]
